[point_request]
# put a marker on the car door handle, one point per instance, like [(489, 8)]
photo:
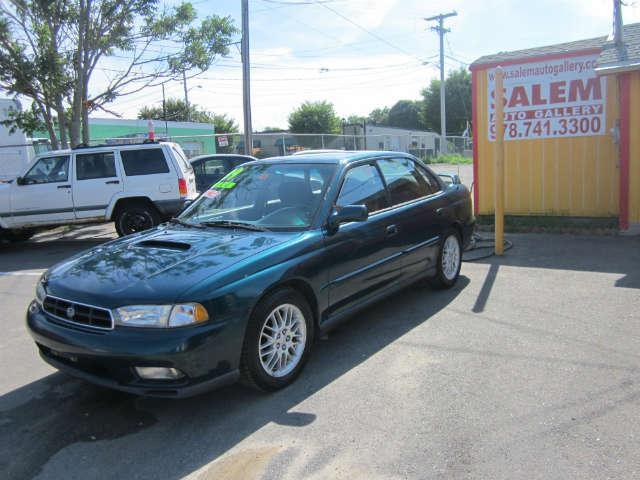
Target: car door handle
[(391, 230), (112, 182), (64, 186)]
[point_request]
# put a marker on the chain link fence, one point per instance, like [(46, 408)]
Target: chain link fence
[(283, 144)]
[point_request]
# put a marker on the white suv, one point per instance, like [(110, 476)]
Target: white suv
[(136, 186)]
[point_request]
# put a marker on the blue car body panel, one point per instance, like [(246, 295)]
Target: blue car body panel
[(228, 271)]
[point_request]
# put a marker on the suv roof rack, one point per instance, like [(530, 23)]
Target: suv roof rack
[(84, 145)]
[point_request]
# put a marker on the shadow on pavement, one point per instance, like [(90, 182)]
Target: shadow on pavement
[(603, 254), (172, 438), (41, 255)]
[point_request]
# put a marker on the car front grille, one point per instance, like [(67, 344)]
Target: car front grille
[(78, 313)]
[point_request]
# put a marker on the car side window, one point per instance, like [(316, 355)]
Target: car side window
[(95, 165), (48, 170), (214, 166), (147, 161), (404, 181), (363, 186), (433, 184)]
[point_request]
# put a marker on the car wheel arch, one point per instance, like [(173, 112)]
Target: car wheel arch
[(121, 202), (299, 286)]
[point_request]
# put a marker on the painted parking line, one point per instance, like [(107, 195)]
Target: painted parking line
[(19, 273)]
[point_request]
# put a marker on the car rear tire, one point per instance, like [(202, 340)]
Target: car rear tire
[(449, 261), (136, 217), (278, 340)]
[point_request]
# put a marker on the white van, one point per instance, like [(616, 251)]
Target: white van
[(16, 149), (136, 186)]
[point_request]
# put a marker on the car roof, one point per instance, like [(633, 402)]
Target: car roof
[(312, 152), (222, 155), (342, 157), (133, 146)]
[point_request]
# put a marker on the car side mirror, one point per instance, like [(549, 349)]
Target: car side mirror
[(450, 179), (19, 181), (348, 213)]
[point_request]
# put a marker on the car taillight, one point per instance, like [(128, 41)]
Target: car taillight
[(182, 186)]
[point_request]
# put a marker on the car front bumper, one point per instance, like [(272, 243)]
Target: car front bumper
[(108, 358)]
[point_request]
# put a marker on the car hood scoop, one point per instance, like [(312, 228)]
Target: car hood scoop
[(156, 265), (164, 244)]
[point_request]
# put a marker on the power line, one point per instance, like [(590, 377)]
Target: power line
[(373, 34)]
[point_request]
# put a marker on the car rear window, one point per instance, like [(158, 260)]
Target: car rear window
[(148, 161), (182, 159)]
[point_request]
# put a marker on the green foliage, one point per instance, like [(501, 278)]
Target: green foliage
[(458, 103), (29, 121), (314, 117), (273, 130), (50, 49), (224, 124), (452, 159), (379, 116), (406, 114), (176, 111), (355, 119)]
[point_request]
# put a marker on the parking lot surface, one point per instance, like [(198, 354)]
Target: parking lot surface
[(528, 368)]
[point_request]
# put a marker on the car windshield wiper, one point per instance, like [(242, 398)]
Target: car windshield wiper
[(177, 221), (230, 224)]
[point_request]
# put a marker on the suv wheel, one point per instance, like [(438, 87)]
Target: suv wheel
[(136, 217), (278, 340)]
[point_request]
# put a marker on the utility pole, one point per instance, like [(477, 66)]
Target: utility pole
[(164, 113), (186, 97), (617, 22), (442, 31), (246, 83)]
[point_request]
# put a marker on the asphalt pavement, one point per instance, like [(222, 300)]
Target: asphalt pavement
[(527, 369)]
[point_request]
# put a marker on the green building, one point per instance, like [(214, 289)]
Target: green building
[(194, 138)]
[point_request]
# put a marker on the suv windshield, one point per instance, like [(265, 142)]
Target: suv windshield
[(269, 196)]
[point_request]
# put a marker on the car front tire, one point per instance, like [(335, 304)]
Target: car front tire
[(449, 260), (278, 340)]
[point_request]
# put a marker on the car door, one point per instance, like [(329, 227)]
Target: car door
[(44, 194), (96, 182), (364, 255), (419, 207)]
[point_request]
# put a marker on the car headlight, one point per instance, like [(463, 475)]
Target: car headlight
[(160, 316), (41, 291)]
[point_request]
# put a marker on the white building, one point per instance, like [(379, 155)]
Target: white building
[(378, 137)]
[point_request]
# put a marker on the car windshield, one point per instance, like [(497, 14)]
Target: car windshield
[(263, 196)]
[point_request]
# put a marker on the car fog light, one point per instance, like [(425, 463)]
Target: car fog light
[(159, 373)]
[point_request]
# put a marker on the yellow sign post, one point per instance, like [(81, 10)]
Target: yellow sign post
[(499, 162)]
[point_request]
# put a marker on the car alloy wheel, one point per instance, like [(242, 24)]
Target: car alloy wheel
[(282, 340), (450, 257)]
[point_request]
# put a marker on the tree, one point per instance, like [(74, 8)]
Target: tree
[(355, 119), (458, 102), (50, 49), (273, 130), (314, 117), (176, 111), (379, 116), (406, 114)]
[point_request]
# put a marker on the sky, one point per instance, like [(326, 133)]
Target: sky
[(363, 54)]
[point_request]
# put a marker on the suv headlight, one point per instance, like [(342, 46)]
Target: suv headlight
[(160, 316)]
